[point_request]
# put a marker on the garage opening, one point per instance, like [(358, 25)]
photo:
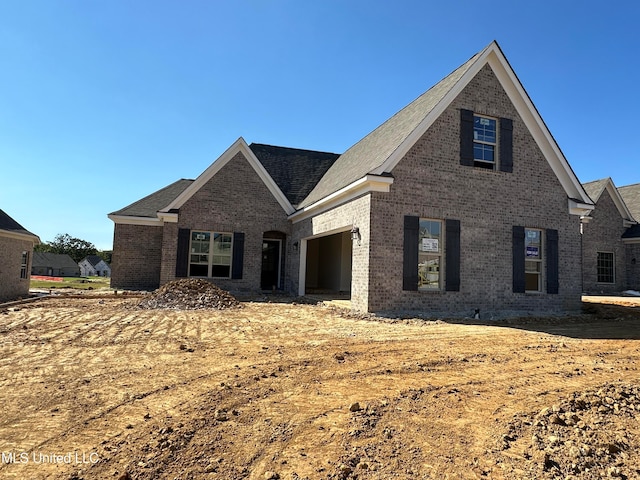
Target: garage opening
[(328, 266)]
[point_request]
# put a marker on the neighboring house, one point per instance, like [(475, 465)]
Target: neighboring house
[(604, 253), (631, 238), (16, 253), (54, 265), (94, 266), (460, 201)]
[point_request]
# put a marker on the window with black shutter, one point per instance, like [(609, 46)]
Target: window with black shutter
[(486, 142)]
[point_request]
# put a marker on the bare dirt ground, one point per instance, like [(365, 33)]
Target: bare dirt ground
[(92, 388)]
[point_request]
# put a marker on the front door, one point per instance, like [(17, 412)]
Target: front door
[(270, 279)]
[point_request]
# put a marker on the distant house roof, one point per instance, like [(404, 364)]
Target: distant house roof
[(151, 204), (631, 196), (53, 260), (10, 227), (93, 259), (295, 171)]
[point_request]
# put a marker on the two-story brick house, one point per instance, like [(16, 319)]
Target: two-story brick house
[(462, 201)]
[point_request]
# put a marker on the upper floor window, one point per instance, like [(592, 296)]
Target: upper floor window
[(485, 135), (486, 142)]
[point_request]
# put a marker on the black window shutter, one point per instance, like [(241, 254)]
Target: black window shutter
[(552, 261), (238, 255), (182, 253), (518, 260), (506, 145), (452, 261), (466, 137), (410, 255)]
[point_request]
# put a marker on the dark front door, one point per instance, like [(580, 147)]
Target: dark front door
[(270, 264)]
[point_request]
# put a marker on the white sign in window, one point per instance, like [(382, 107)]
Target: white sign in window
[(430, 245)]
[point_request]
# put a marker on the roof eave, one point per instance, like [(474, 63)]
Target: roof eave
[(20, 236), (131, 220), (368, 183)]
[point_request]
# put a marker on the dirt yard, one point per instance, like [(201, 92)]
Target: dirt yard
[(94, 388)]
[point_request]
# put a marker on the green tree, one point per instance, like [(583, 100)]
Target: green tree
[(76, 248)]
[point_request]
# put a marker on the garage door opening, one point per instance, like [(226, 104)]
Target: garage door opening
[(328, 266)]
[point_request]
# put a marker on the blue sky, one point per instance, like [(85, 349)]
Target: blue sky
[(104, 102)]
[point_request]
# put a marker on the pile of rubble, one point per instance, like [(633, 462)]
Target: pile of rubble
[(589, 435), (188, 294)]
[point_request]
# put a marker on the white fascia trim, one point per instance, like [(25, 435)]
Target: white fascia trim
[(619, 202), (579, 208), (127, 220), (630, 240), (527, 111), (168, 217), (628, 223), (239, 146), (20, 236), (368, 183)]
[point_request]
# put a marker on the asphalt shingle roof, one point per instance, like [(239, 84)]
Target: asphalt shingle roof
[(53, 260), (594, 189), (374, 149), (93, 259), (295, 171), (9, 224), (151, 204), (631, 196)]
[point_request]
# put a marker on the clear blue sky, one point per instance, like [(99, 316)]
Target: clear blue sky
[(104, 102)]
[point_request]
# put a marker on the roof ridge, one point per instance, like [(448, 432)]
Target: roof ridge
[(291, 148)]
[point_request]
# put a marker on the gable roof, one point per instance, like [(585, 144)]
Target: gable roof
[(94, 260), (382, 149), (9, 227), (595, 190), (239, 146), (295, 171), (631, 196), (53, 260)]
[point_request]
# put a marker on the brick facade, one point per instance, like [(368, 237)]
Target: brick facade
[(341, 219), (603, 234), (431, 183), (235, 199), (11, 285), (137, 250), (632, 266)]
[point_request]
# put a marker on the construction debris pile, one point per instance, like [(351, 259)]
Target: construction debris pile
[(588, 436), (188, 294)]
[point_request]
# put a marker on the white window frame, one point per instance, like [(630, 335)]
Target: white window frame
[(476, 161), (530, 260), (210, 254), (613, 267), (427, 250)]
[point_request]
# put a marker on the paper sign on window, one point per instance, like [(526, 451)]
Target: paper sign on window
[(430, 245), (533, 251)]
